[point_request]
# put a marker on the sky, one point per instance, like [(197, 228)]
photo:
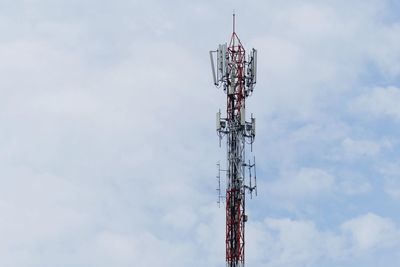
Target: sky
[(108, 146)]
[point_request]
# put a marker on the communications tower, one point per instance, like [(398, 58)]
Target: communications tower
[(237, 76)]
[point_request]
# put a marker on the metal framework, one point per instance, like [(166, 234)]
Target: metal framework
[(237, 77)]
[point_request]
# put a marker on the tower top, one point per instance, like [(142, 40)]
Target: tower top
[(235, 41)]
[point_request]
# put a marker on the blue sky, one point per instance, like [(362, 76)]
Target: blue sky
[(108, 146)]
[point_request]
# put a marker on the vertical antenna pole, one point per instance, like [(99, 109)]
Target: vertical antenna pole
[(233, 21)]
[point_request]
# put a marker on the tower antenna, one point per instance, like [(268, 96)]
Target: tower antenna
[(237, 76), (233, 21)]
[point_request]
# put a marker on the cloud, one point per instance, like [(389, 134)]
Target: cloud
[(290, 242), (108, 146), (294, 241), (379, 102), (309, 53), (371, 231), (387, 52), (352, 184), (355, 149), (87, 173), (390, 174), (305, 183), (392, 187)]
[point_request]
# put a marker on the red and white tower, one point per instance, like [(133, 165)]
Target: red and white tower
[(237, 76)]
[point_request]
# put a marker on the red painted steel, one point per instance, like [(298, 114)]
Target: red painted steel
[(235, 195)]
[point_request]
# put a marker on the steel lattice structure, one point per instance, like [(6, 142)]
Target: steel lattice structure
[(237, 77)]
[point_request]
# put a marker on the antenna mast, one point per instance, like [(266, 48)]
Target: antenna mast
[(237, 76)]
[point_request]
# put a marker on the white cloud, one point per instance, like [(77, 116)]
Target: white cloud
[(117, 247), (288, 242), (379, 102), (305, 183), (390, 172), (107, 115), (360, 147), (392, 188), (387, 51), (299, 53), (356, 149), (351, 185), (371, 231), (181, 218), (295, 241)]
